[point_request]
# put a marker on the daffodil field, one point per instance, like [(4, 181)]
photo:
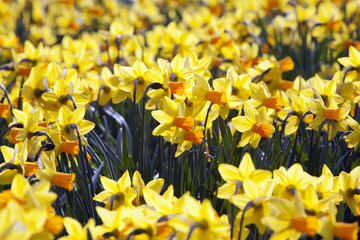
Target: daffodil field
[(179, 119)]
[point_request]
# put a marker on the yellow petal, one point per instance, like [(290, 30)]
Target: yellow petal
[(124, 181), (108, 184), (162, 117), (241, 124), (246, 165), (229, 173)]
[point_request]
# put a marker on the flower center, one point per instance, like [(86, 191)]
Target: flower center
[(346, 230), (4, 110), (308, 118), (186, 123), (42, 124), (216, 97), (13, 133), (163, 229), (64, 180), (307, 225), (54, 224), (274, 102), (285, 85), (286, 64), (263, 129), (71, 147), (31, 168), (177, 88), (333, 114), (195, 137), (24, 71)]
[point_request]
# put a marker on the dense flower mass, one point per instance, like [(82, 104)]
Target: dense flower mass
[(177, 119)]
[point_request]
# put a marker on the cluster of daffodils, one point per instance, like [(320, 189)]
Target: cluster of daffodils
[(41, 134), (26, 211), (258, 67), (291, 203), (133, 209)]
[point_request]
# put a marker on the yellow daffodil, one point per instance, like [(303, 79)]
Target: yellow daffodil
[(66, 93), (330, 228), (139, 185), (290, 181), (262, 97), (172, 120), (353, 60), (240, 90), (333, 115), (253, 125), (353, 138), (166, 203), (202, 93), (349, 189), (297, 110), (234, 177), (289, 220), (118, 193), (68, 117), (135, 75), (203, 219), (253, 202), (327, 89), (76, 231), (186, 139)]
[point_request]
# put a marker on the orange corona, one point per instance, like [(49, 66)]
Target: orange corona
[(195, 137), (186, 123), (333, 114), (274, 103), (346, 230), (307, 225), (177, 88), (216, 97), (263, 129)]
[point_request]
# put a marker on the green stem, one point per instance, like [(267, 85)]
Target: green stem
[(291, 160), (201, 151)]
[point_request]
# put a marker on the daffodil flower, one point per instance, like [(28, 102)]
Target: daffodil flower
[(256, 197), (139, 185), (166, 203), (262, 97), (76, 231), (201, 221), (117, 193), (350, 190), (290, 181), (289, 220), (186, 139), (330, 228), (353, 60), (234, 177), (66, 93), (202, 94), (68, 117), (353, 138), (253, 125), (172, 120), (240, 90), (49, 173), (137, 75), (297, 109), (327, 89), (333, 115)]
